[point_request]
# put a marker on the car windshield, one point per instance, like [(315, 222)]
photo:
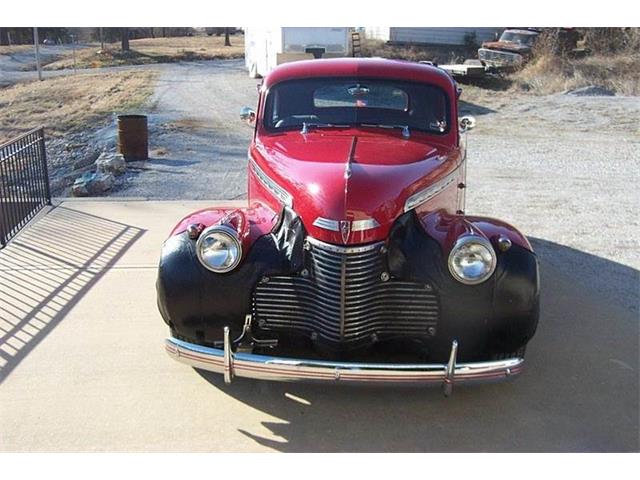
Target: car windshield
[(519, 38), (329, 102)]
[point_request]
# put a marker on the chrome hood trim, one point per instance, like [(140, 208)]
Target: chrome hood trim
[(356, 225)]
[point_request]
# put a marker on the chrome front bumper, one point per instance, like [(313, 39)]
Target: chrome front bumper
[(264, 367)]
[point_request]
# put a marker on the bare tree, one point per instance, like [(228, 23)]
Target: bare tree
[(227, 41), (125, 39)]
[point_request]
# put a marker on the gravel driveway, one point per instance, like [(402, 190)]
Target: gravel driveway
[(198, 145)]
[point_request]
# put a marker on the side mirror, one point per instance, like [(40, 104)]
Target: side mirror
[(248, 115), (467, 123)]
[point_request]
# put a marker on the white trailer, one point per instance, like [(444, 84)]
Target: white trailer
[(267, 47)]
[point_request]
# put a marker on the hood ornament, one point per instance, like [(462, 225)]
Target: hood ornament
[(345, 230)]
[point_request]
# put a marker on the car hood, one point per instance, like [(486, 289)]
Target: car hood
[(351, 176)]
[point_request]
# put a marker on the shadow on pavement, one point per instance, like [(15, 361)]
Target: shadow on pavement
[(579, 391), (47, 269)]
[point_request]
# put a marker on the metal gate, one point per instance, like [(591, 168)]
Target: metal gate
[(24, 182)]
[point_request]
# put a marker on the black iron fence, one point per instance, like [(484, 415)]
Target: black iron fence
[(24, 182)]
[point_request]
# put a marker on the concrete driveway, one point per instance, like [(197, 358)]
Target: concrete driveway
[(83, 366)]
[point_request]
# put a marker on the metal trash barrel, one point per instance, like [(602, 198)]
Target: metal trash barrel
[(133, 137)]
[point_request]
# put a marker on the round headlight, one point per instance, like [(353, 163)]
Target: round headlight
[(219, 249), (472, 260)]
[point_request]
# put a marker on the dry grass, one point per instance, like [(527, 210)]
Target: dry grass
[(547, 74), (154, 50), (71, 103), (9, 50), (615, 64)]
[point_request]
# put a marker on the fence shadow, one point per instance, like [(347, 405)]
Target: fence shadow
[(579, 391), (47, 269)]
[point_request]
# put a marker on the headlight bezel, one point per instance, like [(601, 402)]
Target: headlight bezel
[(232, 234), (464, 241)]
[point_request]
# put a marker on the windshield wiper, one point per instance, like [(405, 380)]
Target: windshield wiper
[(307, 126), (405, 128)]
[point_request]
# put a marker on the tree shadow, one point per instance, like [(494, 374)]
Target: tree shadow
[(579, 391), (47, 269)]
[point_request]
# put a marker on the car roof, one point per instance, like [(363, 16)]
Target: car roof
[(361, 67)]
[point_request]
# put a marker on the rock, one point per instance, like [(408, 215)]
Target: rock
[(80, 187), (109, 162), (590, 91), (74, 146), (86, 160), (92, 184), (58, 184), (103, 182)]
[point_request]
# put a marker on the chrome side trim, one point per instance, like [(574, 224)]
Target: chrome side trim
[(356, 225), (431, 191), (338, 249), (280, 193), (290, 369)]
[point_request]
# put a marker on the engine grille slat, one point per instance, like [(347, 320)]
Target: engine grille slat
[(342, 299)]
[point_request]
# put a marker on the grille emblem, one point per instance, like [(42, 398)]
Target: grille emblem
[(345, 230)]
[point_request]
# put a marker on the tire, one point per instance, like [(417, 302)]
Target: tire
[(504, 355)]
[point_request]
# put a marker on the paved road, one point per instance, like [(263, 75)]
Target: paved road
[(82, 365), (21, 66)]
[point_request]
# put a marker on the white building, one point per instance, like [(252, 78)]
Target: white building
[(432, 35)]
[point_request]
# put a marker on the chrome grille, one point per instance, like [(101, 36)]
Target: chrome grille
[(341, 298)]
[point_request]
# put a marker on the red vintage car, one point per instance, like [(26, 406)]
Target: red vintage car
[(354, 260)]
